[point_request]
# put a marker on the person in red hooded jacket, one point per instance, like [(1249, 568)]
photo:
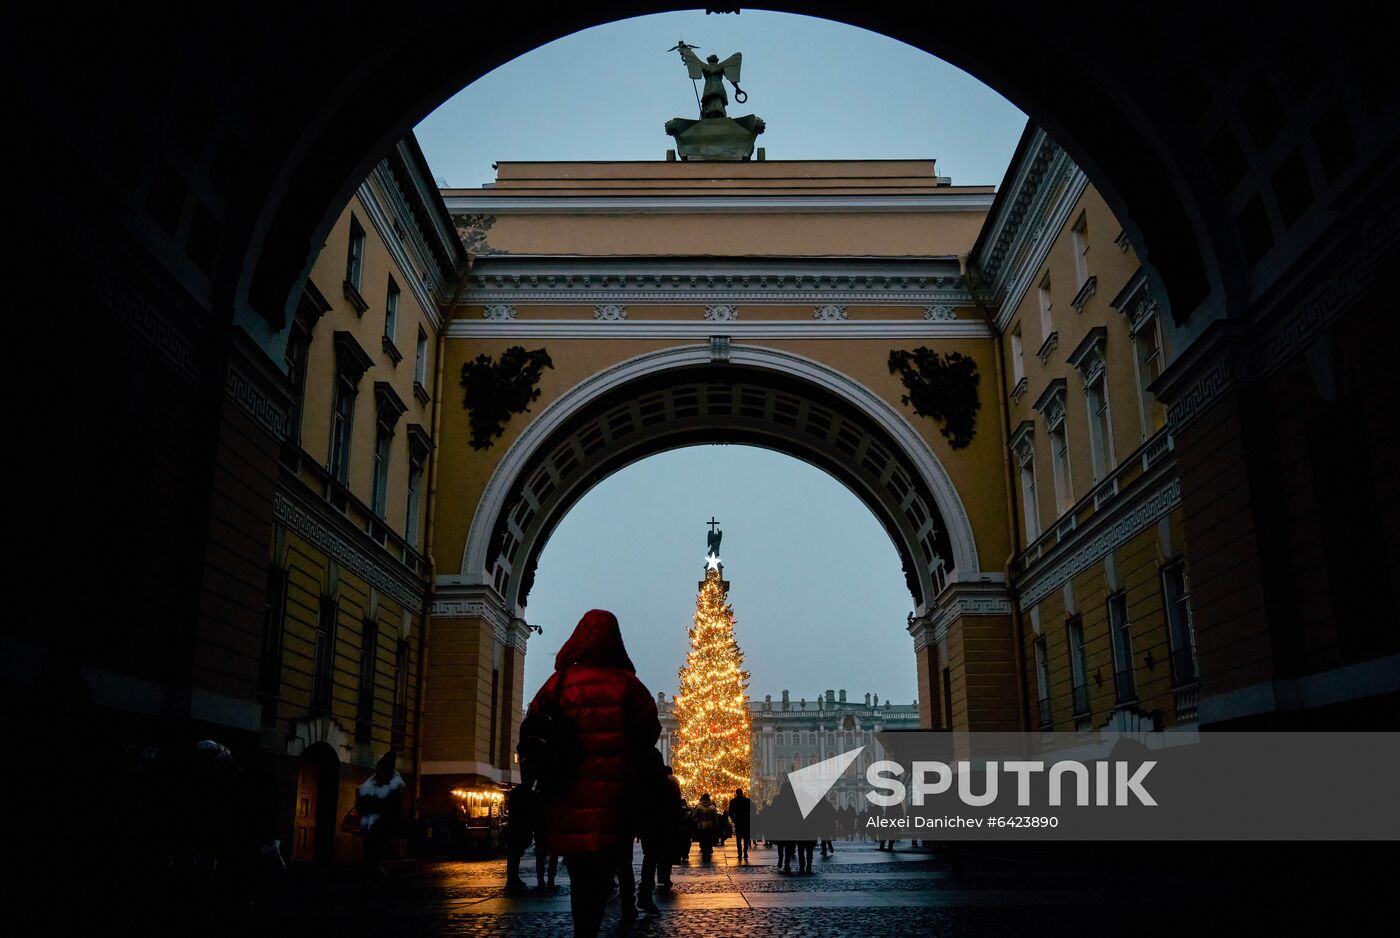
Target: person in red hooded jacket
[(589, 822)]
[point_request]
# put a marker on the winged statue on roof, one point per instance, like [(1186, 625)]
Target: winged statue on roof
[(714, 98)]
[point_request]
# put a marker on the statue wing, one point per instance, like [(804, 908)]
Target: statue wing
[(692, 63), (730, 67)]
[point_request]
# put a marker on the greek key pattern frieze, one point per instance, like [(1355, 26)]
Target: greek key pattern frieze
[(967, 606), (472, 609), (1314, 314), (1135, 520), (145, 319), (257, 405), (1200, 396), (1289, 335), (297, 518)]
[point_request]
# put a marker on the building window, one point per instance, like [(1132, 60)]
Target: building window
[(323, 656), (1030, 500), (1100, 430), (1051, 405), (1047, 321), (1078, 666), (379, 494), (1124, 687), (1018, 363), (495, 698), (355, 257), (1024, 449), (388, 409), (298, 350), (400, 692), (351, 362), (1147, 349), (270, 656), (1079, 234), (415, 488), (420, 363), (369, 669), (1059, 464), (342, 421), (391, 311), (1042, 680), (1181, 634), (1089, 359)]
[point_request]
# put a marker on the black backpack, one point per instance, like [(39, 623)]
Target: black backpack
[(549, 749)]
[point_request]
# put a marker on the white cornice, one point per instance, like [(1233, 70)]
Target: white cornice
[(706, 281), (713, 204), (1021, 277), (703, 329), (408, 271), (528, 296)]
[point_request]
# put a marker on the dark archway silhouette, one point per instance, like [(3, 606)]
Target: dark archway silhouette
[(242, 130)]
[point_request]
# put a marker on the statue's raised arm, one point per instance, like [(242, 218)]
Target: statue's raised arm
[(693, 65)]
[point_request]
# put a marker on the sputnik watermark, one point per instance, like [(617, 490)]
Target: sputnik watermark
[(889, 790), (1095, 785), (1112, 783)]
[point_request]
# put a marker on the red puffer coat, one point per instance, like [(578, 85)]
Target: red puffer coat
[(615, 717)]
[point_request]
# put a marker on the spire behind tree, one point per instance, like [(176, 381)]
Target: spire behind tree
[(712, 708)]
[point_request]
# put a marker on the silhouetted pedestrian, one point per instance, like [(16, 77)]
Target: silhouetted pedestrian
[(707, 819), (739, 815), (379, 803), (664, 815), (546, 867), (784, 816), (522, 811), (586, 818)]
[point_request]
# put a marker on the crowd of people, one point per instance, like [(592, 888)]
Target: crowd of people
[(593, 784)]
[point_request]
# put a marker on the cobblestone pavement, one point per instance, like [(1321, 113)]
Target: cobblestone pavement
[(860, 891)]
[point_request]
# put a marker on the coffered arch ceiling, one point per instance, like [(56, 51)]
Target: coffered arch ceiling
[(680, 398)]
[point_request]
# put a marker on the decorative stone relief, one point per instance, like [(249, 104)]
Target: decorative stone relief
[(610, 312), (496, 390), (721, 313), (939, 313), (1088, 358), (1051, 404), (472, 229), (498, 312), (943, 387), (829, 313)]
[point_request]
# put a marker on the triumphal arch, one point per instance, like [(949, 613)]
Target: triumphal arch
[(614, 310)]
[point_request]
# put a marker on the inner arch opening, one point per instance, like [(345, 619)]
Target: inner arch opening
[(818, 595), (712, 403)]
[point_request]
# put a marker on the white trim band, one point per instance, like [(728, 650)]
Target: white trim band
[(708, 204), (703, 329)]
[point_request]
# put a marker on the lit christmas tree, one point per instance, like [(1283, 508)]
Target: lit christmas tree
[(712, 708)]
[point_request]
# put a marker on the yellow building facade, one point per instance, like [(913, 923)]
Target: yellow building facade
[(341, 664), (1099, 569)]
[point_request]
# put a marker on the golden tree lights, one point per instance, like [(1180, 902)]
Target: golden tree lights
[(712, 709)]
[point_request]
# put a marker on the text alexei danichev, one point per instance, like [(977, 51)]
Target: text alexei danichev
[(906, 823)]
